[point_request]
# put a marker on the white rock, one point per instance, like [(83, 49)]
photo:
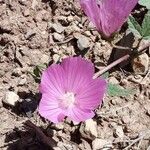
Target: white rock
[(58, 27), (23, 80), (34, 4), (101, 144), (58, 37), (56, 58), (91, 127), (10, 98), (26, 12), (45, 59), (83, 42), (70, 18), (119, 131)]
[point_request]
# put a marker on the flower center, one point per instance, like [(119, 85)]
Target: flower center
[(67, 100)]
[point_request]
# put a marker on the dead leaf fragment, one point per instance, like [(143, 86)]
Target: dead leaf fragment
[(140, 64)]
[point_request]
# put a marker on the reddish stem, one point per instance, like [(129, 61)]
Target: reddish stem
[(116, 62)]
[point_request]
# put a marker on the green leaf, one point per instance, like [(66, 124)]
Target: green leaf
[(105, 75), (37, 71), (134, 27), (145, 3), (146, 26), (117, 90)]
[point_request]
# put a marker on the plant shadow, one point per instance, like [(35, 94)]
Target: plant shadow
[(127, 43), (24, 139)]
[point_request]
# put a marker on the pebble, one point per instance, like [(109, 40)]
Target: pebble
[(10, 98), (119, 131), (23, 80), (88, 33), (101, 144), (45, 59), (58, 37), (30, 33), (58, 126), (16, 72), (83, 42), (26, 13), (34, 4), (70, 18), (126, 119), (56, 58), (58, 27), (91, 127)]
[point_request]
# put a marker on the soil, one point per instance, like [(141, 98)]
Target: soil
[(28, 40)]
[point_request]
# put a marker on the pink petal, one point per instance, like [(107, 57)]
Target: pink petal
[(49, 109), (108, 15), (77, 115), (91, 9), (92, 95), (113, 14), (78, 72), (52, 80)]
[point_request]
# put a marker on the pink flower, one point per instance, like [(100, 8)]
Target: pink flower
[(68, 89), (108, 15)]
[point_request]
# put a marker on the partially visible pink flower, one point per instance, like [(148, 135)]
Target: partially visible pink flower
[(108, 15), (68, 89)]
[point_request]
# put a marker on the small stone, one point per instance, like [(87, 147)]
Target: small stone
[(2, 73), (30, 33), (58, 27), (26, 13), (119, 132), (126, 119), (16, 72), (58, 126), (91, 127), (10, 98), (22, 81), (44, 59), (83, 42), (23, 2), (148, 112), (34, 4), (77, 35), (58, 37), (56, 58), (88, 33), (101, 144), (140, 64), (70, 18)]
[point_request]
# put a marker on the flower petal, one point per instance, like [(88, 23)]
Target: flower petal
[(92, 95), (52, 80), (108, 15), (91, 9), (77, 71), (113, 14), (77, 115), (49, 109)]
